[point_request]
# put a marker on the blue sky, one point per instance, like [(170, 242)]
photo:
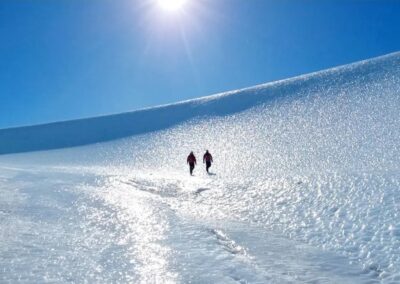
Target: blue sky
[(70, 59)]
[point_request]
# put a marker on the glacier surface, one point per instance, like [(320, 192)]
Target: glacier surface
[(304, 188)]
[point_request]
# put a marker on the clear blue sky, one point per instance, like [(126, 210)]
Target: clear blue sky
[(66, 59)]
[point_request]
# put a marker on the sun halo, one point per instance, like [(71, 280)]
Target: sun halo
[(171, 5)]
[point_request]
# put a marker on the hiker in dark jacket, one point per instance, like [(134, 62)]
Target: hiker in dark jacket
[(191, 160), (207, 158)]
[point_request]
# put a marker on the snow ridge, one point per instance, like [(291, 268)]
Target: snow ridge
[(105, 128)]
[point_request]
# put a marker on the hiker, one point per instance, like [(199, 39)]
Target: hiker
[(191, 160), (207, 158)]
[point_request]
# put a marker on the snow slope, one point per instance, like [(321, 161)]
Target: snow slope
[(349, 83), (305, 188)]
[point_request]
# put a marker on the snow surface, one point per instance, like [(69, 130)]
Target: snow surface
[(304, 188)]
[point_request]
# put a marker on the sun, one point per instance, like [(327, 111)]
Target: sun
[(171, 5)]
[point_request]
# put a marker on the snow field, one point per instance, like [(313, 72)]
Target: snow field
[(310, 164)]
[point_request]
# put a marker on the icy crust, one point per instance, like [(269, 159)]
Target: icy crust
[(356, 216), (76, 226)]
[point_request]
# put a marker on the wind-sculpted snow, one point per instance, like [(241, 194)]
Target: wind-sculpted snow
[(314, 160), (377, 76)]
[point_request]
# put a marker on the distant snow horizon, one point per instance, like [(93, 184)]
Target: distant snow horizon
[(209, 96)]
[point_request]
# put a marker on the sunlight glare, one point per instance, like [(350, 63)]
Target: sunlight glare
[(171, 5)]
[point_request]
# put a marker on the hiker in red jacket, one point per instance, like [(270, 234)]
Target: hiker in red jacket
[(207, 158), (191, 160)]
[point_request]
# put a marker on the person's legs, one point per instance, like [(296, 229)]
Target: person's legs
[(208, 165), (191, 168)]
